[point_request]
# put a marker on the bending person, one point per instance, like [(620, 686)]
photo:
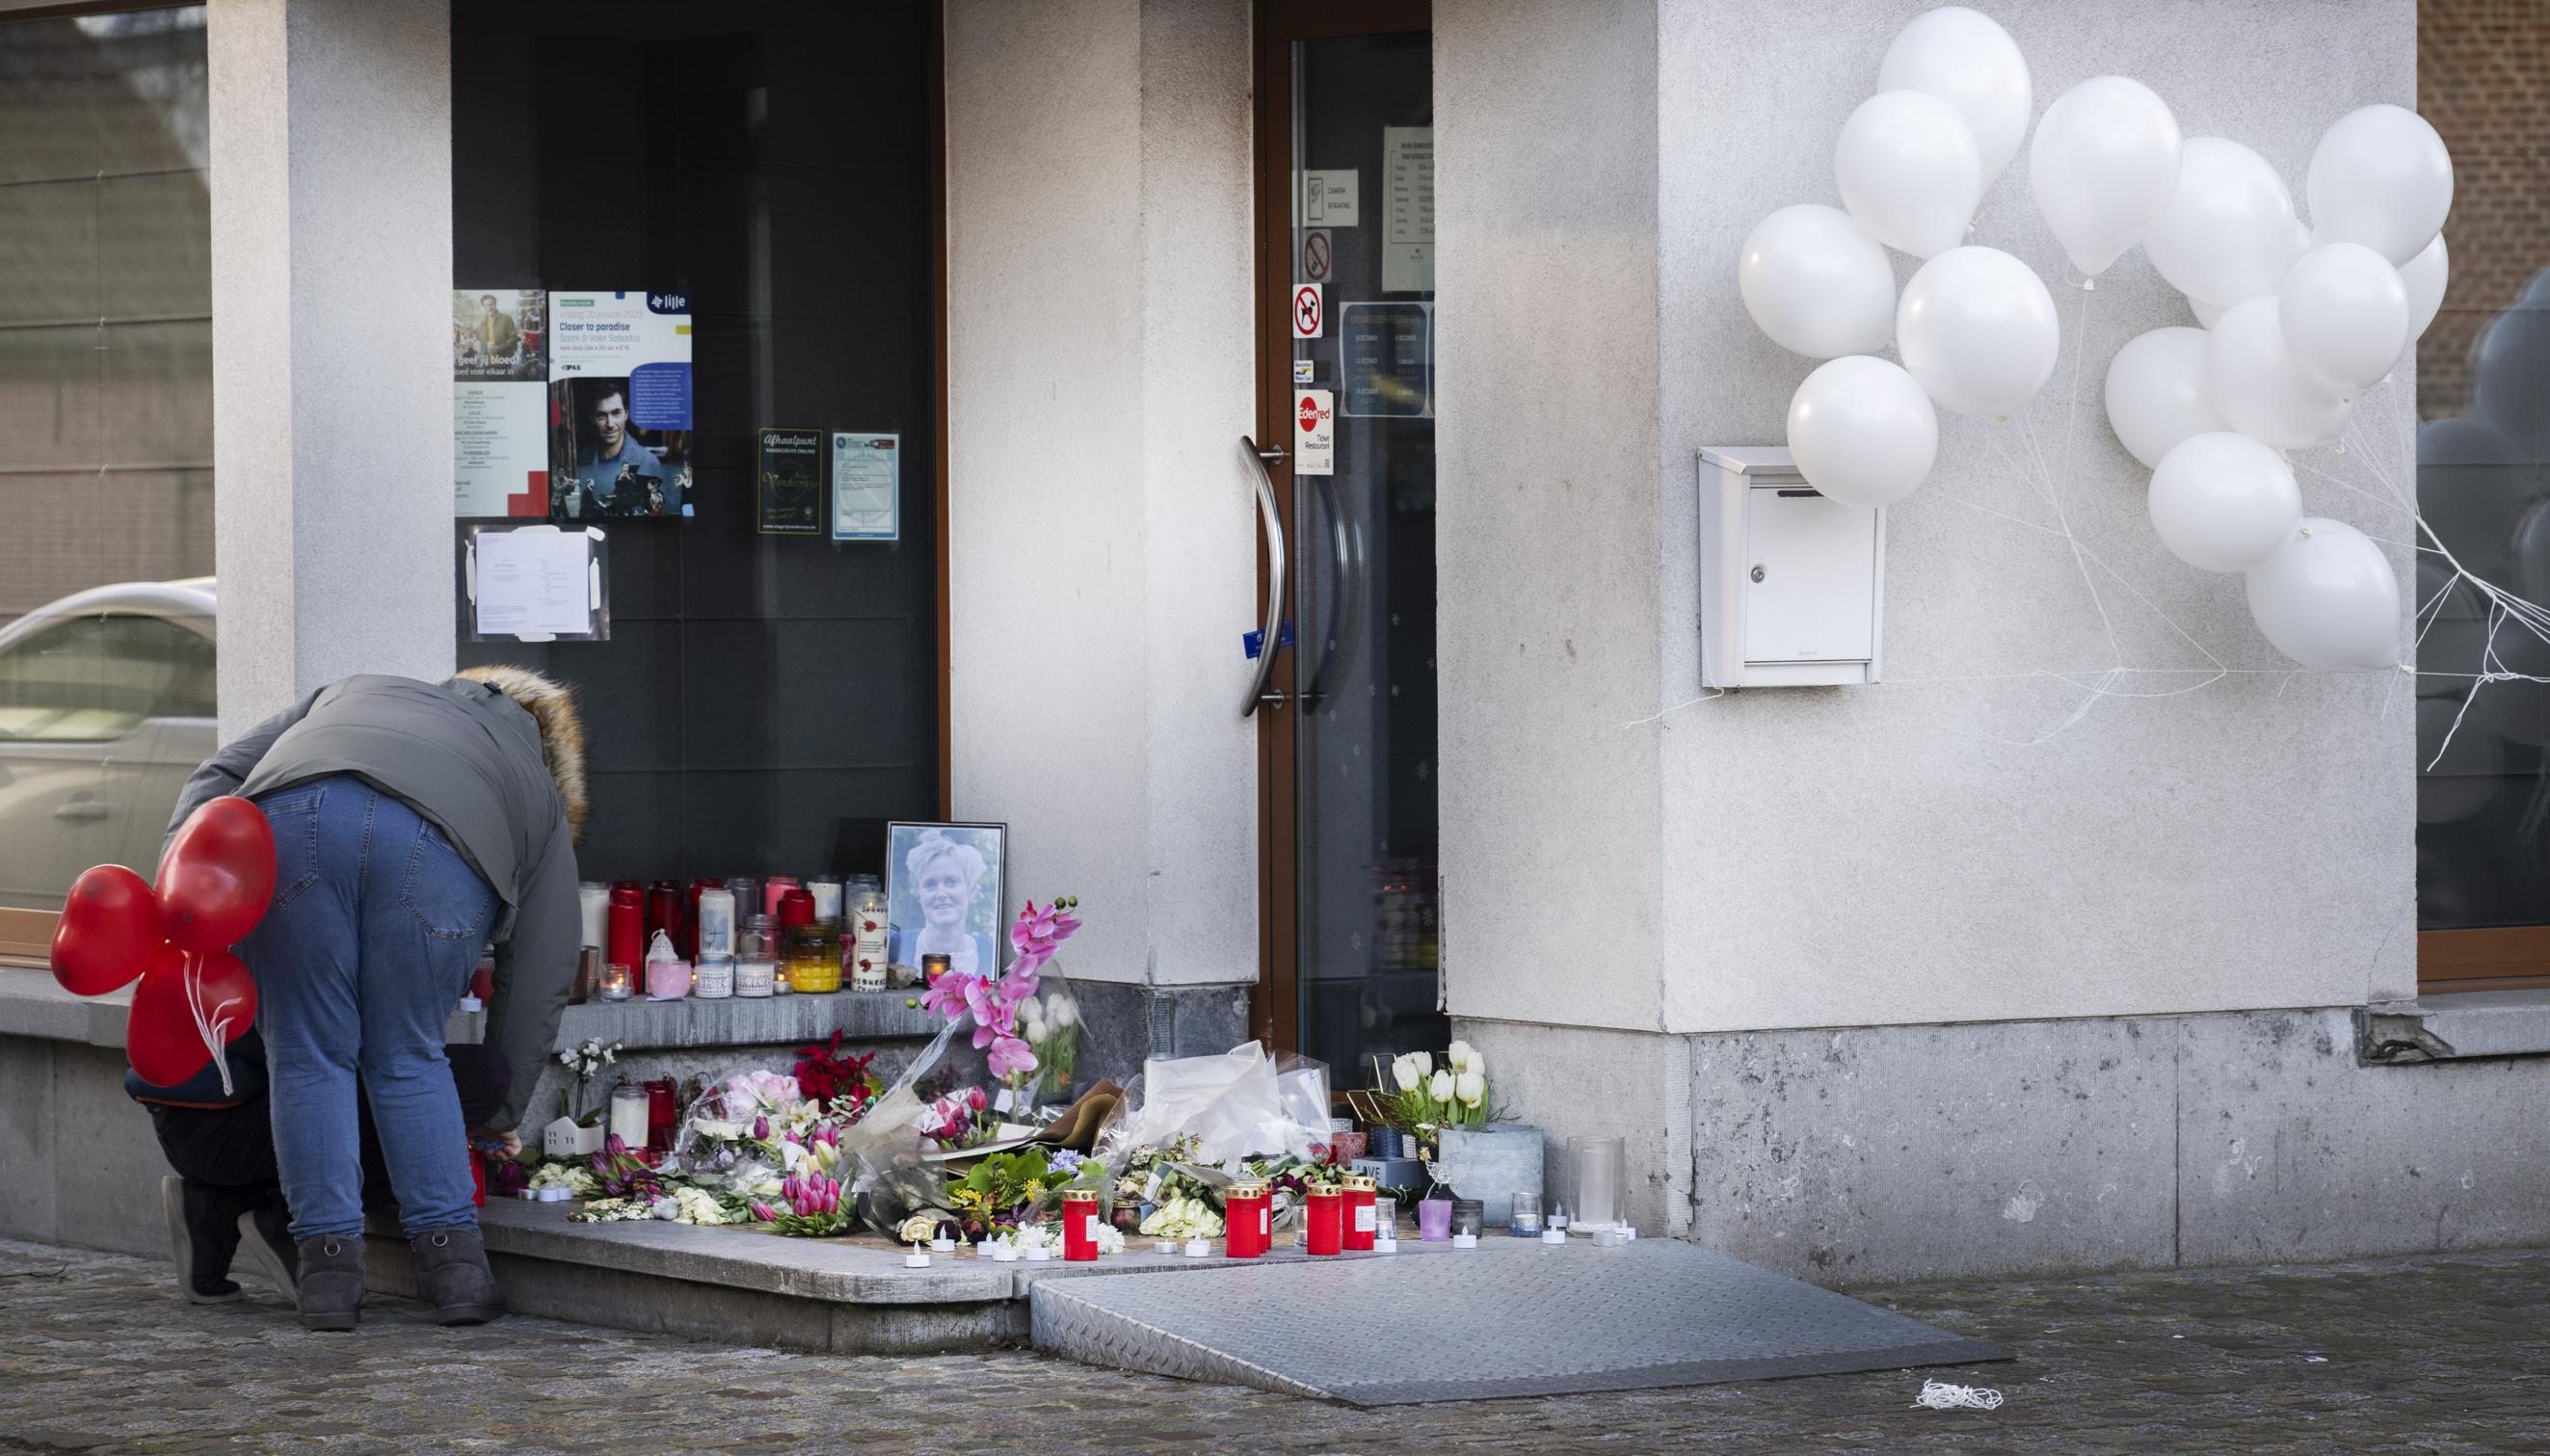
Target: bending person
[(413, 824), (224, 1196)]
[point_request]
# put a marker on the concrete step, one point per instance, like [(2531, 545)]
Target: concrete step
[(740, 1284)]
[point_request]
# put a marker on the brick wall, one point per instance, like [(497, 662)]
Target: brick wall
[(2483, 82)]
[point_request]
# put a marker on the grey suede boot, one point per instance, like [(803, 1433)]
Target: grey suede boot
[(452, 1276), (331, 1281)]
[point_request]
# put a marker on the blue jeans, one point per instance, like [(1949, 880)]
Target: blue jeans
[(377, 923)]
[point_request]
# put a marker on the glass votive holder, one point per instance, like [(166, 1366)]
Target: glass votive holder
[(1469, 1218), (616, 985), (1527, 1215), (1434, 1220), (1385, 1222)]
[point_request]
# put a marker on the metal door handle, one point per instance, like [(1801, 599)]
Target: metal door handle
[(84, 808), (1273, 520), (1338, 631)]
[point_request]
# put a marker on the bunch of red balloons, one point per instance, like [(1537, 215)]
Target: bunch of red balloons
[(196, 998)]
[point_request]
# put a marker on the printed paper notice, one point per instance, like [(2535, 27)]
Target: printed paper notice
[(533, 583), (1314, 432), (1330, 199), (1408, 236), (868, 486)]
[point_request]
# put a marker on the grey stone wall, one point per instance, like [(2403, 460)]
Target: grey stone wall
[(1881, 1154)]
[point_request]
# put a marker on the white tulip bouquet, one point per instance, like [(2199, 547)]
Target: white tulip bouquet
[(1425, 1096)]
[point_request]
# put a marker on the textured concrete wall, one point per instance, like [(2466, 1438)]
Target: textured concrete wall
[(1883, 1153), (332, 377), (1100, 377), (79, 1161), (1546, 517), (1940, 847)]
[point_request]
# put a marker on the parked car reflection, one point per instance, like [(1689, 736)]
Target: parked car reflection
[(106, 706)]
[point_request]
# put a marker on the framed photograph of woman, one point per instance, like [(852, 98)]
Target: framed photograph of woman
[(944, 895)]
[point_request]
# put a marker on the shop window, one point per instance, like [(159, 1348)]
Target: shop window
[(2483, 487), (764, 704), (105, 405)]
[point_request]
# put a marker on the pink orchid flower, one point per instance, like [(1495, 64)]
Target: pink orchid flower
[(947, 994), (1011, 1055)]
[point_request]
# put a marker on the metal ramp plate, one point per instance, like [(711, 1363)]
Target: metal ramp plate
[(1511, 1317)]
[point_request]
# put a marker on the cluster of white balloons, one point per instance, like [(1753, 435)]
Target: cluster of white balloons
[(2298, 321), (1975, 328)]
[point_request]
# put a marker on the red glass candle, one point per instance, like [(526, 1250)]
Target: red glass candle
[(661, 1114), (1249, 1220), (477, 1180), (1079, 1224), (669, 911), (1327, 1225), (796, 907), (1360, 1192), (775, 886), (627, 933)]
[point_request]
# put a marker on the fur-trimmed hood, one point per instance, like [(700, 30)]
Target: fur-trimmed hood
[(552, 705)]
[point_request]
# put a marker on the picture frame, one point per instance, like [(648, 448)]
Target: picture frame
[(946, 893)]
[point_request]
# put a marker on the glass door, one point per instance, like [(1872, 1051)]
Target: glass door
[(1347, 715)]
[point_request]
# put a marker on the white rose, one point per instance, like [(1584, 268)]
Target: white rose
[(1424, 1061), (1459, 1054), (1440, 1087), (1403, 1072), (1470, 1087)]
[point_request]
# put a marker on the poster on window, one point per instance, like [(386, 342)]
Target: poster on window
[(620, 404), (500, 446), (791, 482), (868, 486)]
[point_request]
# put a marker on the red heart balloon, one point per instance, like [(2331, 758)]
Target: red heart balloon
[(108, 931), (218, 876), (163, 1037)]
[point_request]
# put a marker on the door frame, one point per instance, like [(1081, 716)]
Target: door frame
[(1275, 1004)]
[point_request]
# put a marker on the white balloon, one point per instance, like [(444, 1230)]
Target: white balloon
[(2381, 177), (2327, 598), (2257, 387), (2425, 276), (1816, 284), (2157, 394), (1977, 328), (1909, 171), (1966, 60), (2222, 502), (1862, 431), (2207, 314), (2228, 232), (2102, 167), (2345, 316)]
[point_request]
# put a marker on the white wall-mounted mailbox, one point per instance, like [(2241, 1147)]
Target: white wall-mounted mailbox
[(1791, 582)]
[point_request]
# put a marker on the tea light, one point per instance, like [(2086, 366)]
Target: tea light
[(1005, 1253), (1198, 1249), (942, 1245), (614, 982), (1553, 1236), (916, 1259), (1038, 1253), (932, 967), (1165, 1247), (1465, 1240)]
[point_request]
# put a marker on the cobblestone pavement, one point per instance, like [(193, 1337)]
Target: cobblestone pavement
[(2446, 1354)]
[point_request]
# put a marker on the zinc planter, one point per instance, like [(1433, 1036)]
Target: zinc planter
[(1491, 1164)]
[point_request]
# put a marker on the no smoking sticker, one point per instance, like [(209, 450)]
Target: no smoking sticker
[(1317, 253), (1309, 311), (1314, 432)]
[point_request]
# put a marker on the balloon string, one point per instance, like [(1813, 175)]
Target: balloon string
[(214, 1025)]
